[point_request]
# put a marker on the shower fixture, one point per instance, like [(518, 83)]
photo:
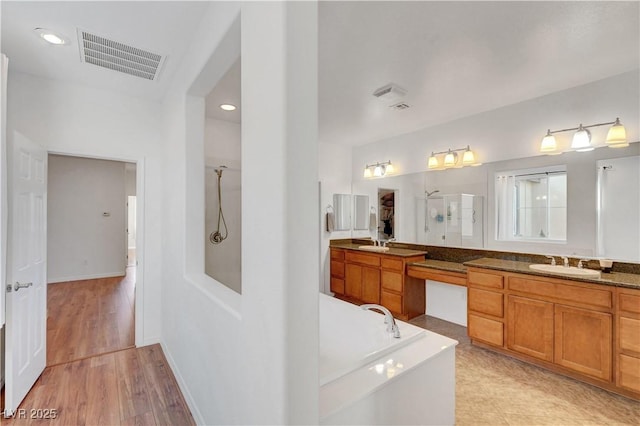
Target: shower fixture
[(216, 237)]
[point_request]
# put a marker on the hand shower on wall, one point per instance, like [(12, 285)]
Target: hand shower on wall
[(426, 196), (216, 237)]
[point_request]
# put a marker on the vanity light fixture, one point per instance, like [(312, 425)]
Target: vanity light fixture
[(451, 159), (50, 36), (378, 169), (616, 138)]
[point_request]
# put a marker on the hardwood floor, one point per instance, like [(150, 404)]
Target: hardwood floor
[(128, 387), (90, 317)]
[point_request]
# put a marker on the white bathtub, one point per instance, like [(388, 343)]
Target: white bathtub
[(369, 377)]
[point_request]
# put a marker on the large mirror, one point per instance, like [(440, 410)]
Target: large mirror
[(459, 207)]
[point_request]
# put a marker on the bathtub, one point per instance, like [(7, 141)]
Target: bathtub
[(369, 377)]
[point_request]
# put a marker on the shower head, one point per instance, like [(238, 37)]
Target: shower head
[(429, 194), (219, 170)]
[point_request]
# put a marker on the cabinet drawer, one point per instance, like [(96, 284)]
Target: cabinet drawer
[(392, 281), (629, 303), (337, 269), (487, 330), (337, 285), (394, 264), (391, 301), (629, 372), (364, 259), (487, 302), (337, 254), (567, 293), (485, 279), (629, 334)]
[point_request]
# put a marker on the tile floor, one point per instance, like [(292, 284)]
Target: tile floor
[(494, 389)]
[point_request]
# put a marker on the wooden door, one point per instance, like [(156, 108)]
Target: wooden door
[(530, 327), (353, 281), (26, 286), (583, 341), (370, 285)]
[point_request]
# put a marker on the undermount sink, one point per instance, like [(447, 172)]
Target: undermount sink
[(378, 249), (562, 270)]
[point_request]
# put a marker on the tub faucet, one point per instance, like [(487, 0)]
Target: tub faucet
[(392, 327)]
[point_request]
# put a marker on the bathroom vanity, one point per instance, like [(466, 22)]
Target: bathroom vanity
[(588, 329), (361, 276)]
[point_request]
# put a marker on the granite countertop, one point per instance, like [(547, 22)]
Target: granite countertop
[(441, 265), (617, 279), (393, 251)]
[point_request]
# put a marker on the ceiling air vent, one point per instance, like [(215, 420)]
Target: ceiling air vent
[(390, 92), (400, 106), (119, 57)]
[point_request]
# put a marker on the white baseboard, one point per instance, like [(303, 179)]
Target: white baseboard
[(197, 416), (85, 277)]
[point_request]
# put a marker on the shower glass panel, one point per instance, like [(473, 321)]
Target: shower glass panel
[(453, 220)]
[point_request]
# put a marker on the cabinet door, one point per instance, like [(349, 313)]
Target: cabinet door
[(486, 330), (353, 281), (583, 341), (370, 285), (530, 327)]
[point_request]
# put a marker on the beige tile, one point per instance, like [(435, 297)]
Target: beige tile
[(496, 389)]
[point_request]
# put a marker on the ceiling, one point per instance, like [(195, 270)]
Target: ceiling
[(161, 27), (454, 59)]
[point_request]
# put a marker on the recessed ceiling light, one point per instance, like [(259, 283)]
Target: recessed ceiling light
[(50, 36), (228, 107)]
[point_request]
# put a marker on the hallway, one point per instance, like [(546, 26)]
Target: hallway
[(90, 317)]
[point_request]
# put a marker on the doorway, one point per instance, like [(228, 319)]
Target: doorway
[(91, 274)]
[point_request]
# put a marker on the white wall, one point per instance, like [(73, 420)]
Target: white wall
[(3, 200), (250, 358), (71, 119), (83, 242), (222, 147), (514, 131), (335, 178)]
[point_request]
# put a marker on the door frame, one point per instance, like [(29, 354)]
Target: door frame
[(140, 228)]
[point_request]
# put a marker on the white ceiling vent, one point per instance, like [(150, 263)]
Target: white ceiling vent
[(389, 93), (119, 57), (400, 106)]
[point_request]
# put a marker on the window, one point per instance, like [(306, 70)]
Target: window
[(531, 204)]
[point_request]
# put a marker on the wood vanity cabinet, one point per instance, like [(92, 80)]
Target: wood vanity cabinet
[(485, 306), (360, 277), (628, 339), (588, 331), (337, 268)]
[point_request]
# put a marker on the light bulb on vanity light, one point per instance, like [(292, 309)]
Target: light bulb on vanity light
[(450, 159), (367, 172), (378, 171), (433, 162), (582, 140), (468, 158), (617, 135), (548, 145)]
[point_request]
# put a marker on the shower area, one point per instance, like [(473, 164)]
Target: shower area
[(222, 224), (452, 220)]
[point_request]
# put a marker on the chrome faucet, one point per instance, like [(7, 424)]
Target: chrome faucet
[(553, 259), (385, 242), (565, 261), (392, 327)]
